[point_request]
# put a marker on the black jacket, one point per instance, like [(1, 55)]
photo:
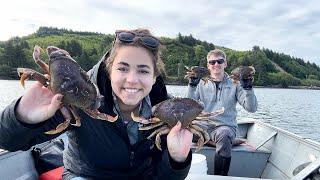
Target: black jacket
[(99, 149)]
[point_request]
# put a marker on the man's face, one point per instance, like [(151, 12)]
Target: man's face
[(216, 64)]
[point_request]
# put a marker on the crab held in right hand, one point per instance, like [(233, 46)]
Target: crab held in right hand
[(65, 76)]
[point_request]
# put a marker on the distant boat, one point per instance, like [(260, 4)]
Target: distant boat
[(268, 153)]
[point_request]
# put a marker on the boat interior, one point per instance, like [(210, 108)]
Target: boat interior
[(267, 153)]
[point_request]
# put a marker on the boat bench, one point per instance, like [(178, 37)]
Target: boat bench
[(246, 161), (20, 164)]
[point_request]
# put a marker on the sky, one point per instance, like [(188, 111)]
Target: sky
[(285, 26)]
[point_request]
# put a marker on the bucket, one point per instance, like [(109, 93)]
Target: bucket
[(198, 164)]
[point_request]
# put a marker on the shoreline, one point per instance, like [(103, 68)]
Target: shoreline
[(179, 84), (273, 87)]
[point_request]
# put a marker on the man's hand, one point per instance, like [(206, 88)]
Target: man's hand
[(194, 81), (247, 83), (179, 143)]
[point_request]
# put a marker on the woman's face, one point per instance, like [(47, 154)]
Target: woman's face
[(132, 75)]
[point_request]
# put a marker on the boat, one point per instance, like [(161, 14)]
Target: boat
[(267, 153)]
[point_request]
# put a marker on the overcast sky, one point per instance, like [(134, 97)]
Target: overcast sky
[(288, 26)]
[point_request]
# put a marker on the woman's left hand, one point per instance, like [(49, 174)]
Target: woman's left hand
[(179, 143)]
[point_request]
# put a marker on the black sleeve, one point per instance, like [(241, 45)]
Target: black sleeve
[(169, 169), (16, 135), (158, 92)]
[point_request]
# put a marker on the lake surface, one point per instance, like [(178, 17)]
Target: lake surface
[(294, 110)]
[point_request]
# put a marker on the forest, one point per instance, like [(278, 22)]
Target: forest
[(273, 69)]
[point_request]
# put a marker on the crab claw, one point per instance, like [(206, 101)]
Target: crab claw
[(36, 52), (98, 115), (205, 115), (23, 76), (26, 73), (139, 119), (143, 120), (59, 128), (187, 68)]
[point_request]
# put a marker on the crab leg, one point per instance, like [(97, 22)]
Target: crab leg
[(36, 57), (76, 116), (62, 126), (204, 133), (190, 74), (200, 142), (59, 128), (102, 116), (26, 73), (144, 120), (151, 126), (158, 139), (205, 115), (207, 79), (157, 131)]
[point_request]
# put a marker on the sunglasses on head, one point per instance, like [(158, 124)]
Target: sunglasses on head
[(129, 37), (213, 62)]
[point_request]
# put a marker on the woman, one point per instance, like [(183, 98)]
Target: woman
[(101, 149)]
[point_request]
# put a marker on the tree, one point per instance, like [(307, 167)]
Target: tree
[(74, 48), (15, 53), (200, 56)]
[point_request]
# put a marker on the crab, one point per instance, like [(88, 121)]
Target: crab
[(167, 113), (242, 72), (198, 72), (65, 76)]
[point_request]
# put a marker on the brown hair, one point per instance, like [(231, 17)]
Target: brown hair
[(216, 52), (154, 52)]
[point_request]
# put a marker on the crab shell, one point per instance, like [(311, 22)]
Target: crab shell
[(70, 80), (244, 72), (198, 71), (173, 110)]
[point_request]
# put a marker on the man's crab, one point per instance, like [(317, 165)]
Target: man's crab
[(167, 113), (242, 72), (65, 76), (198, 72)]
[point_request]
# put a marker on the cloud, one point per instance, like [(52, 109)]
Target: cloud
[(285, 26)]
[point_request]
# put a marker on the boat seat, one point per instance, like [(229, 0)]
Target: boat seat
[(247, 161)]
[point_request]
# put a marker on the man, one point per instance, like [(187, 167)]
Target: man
[(218, 93)]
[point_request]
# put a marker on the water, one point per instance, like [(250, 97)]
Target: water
[(294, 110)]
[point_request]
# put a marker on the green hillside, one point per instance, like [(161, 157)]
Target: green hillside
[(272, 68)]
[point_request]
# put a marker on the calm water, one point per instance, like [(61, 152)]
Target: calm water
[(294, 110)]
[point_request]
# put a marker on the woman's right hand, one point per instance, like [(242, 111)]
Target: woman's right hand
[(37, 104)]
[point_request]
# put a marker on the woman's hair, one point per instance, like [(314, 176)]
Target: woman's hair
[(153, 52)]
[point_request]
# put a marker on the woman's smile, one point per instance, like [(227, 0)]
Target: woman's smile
[(131, 90)]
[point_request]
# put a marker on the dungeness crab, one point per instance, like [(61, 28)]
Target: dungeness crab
[(66, 77), (198, 72), (168, 113), (242, 72)]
